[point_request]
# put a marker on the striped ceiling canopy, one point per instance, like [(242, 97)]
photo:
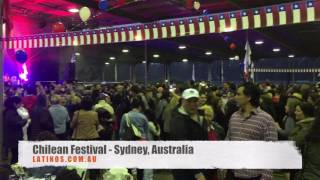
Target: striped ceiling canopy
[(268, 16)]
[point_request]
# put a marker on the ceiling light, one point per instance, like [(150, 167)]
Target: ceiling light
[(236, 58), (231, 58), (184, 60), (208, 53), (112, 58), (106, 63), (77, 54), (156, 55), (258, 42), (291, 56), (73, 10), (182, 47), (143, 62), (276, 49), (125, 50)]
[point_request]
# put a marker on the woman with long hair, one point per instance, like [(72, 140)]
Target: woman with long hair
[(41, 118)]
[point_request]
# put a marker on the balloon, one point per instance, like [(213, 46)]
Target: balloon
[(205, 12), (226, 38), (103, 5), (58, 27), (233, 46), (21, 56), (85, 14), (196, 5)]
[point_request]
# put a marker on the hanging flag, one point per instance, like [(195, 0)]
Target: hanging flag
[(222, 23), (192, 30), (296, 13), (173, 30), (233, 21), (202, 28), (257, 18), (269, 16), (182, 28), (147, 32), (310, 11), (247, 64), (212, 27), (164, 30), (193, 73), (282, 15), (245, 20)]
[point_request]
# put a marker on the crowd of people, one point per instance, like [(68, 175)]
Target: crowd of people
[(190, 111)]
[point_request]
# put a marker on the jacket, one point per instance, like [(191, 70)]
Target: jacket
[(41, 120), (13, 124), (300, 131), (184, 128), (311, 162)]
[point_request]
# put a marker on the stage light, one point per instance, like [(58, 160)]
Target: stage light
[(185, 60), (125, 50), (112, 58), (156, 55), (106, 63), (291, 56), (73, 10)]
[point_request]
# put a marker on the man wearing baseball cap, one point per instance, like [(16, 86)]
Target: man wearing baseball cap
[(188, 124)]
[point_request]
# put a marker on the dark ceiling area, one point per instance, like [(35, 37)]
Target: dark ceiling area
[(291, 39)]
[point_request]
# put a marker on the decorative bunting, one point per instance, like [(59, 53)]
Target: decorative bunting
[(284, 14)]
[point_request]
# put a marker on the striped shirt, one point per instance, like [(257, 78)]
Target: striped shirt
[(259, 126)]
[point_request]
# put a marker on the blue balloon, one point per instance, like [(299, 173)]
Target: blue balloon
[(21, 56), (103, 5), (205, 12), (226, 38)]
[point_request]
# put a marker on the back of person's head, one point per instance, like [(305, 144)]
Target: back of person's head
[(46, 136), (150, 115), (67, 174), (314, 133), (11, 102), (31, 90), (55, 99), (307, 109), (86, 103), (253, 91), (136, 103), (41, 101)]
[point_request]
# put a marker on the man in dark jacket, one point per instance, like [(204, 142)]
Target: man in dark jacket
[(13, 124), (188, 124)]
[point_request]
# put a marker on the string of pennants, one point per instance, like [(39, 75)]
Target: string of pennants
[(269, 16), (293, 70)]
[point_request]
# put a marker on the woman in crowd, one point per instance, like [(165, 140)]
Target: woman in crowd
[(304, 120), (310, 153), (85, 121), (13, 124), (41, 118), (289, 119)]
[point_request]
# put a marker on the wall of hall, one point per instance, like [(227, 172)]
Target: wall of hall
[(91, 70)]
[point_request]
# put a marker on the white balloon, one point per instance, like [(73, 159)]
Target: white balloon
[(84, 14), (196, 5)]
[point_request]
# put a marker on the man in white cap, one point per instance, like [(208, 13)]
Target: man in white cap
[(188, 124)]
